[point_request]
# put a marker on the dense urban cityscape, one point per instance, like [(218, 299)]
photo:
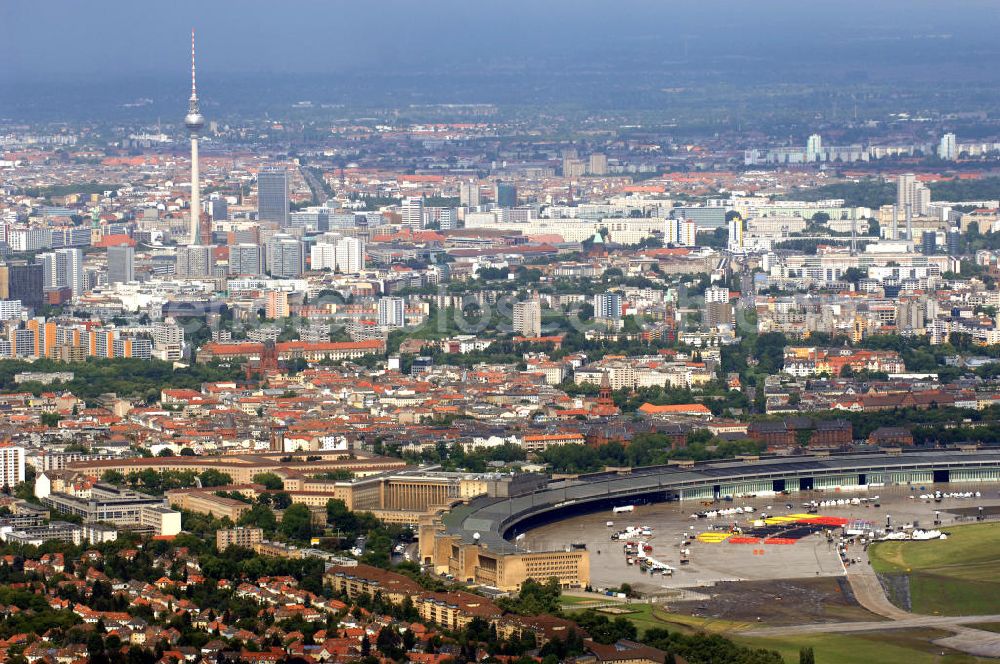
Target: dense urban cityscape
[(293, 380)]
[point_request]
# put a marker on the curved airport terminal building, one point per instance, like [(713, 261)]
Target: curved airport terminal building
[(474, 543)]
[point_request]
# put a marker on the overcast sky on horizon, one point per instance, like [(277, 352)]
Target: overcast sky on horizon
[(113, 38)]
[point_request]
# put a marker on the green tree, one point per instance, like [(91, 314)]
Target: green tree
[(341, 518), (296, 523), (259, 516), (112, 477), (50, 419), (213, 477), (270, 481), (389, 643)]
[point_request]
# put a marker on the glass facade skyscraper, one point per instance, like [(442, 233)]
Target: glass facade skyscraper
[(272, 196)]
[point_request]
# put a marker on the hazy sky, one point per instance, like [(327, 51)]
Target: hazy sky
[(91, 38), (72, 58)]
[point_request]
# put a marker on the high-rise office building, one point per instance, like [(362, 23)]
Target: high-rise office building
[(391, 312), (814, 148), (246, 259), (528, 318), (911, 197), (196, 260), (345, 255), (506, 195), (323, 256), (218, 207), (286, 256), (272, 195), (948, 147), (350, 255), (447, 219), (954, 239), (468, 194), (74, 269), (928, 242), (608, 306), (121, 264), (412, 212), (24, 282), (735, 243), (63, 268), (53, 271)]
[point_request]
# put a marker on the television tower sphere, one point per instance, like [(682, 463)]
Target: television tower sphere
[(194, 121)]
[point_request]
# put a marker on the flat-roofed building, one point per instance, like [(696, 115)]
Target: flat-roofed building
[(243, 537), (123, 508), (242, 467), (506, 568), (206, 502)]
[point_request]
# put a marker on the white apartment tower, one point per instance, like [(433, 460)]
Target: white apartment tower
[(468, 194), (350, 255), (63, 268), (687, 233), (323, 256), (948, 147), (11, 465), (716, 294), (608, 306), (911, 196), (412, 212), (345, 255), (528, 318), (814, 148), (391, 312), (735, 234), (286, 256)]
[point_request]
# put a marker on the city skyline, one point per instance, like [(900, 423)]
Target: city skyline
[(530, 333)]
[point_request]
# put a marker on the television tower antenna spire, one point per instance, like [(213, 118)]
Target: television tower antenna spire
[(194, 88)]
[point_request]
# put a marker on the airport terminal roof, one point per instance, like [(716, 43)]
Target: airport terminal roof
[(492, 518)]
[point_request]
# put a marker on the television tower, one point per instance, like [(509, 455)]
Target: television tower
[(194, 121)]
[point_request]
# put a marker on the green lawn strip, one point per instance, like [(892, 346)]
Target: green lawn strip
[(904, 646), (934, 594), (948, 577), (647, 616), (581, 602)]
